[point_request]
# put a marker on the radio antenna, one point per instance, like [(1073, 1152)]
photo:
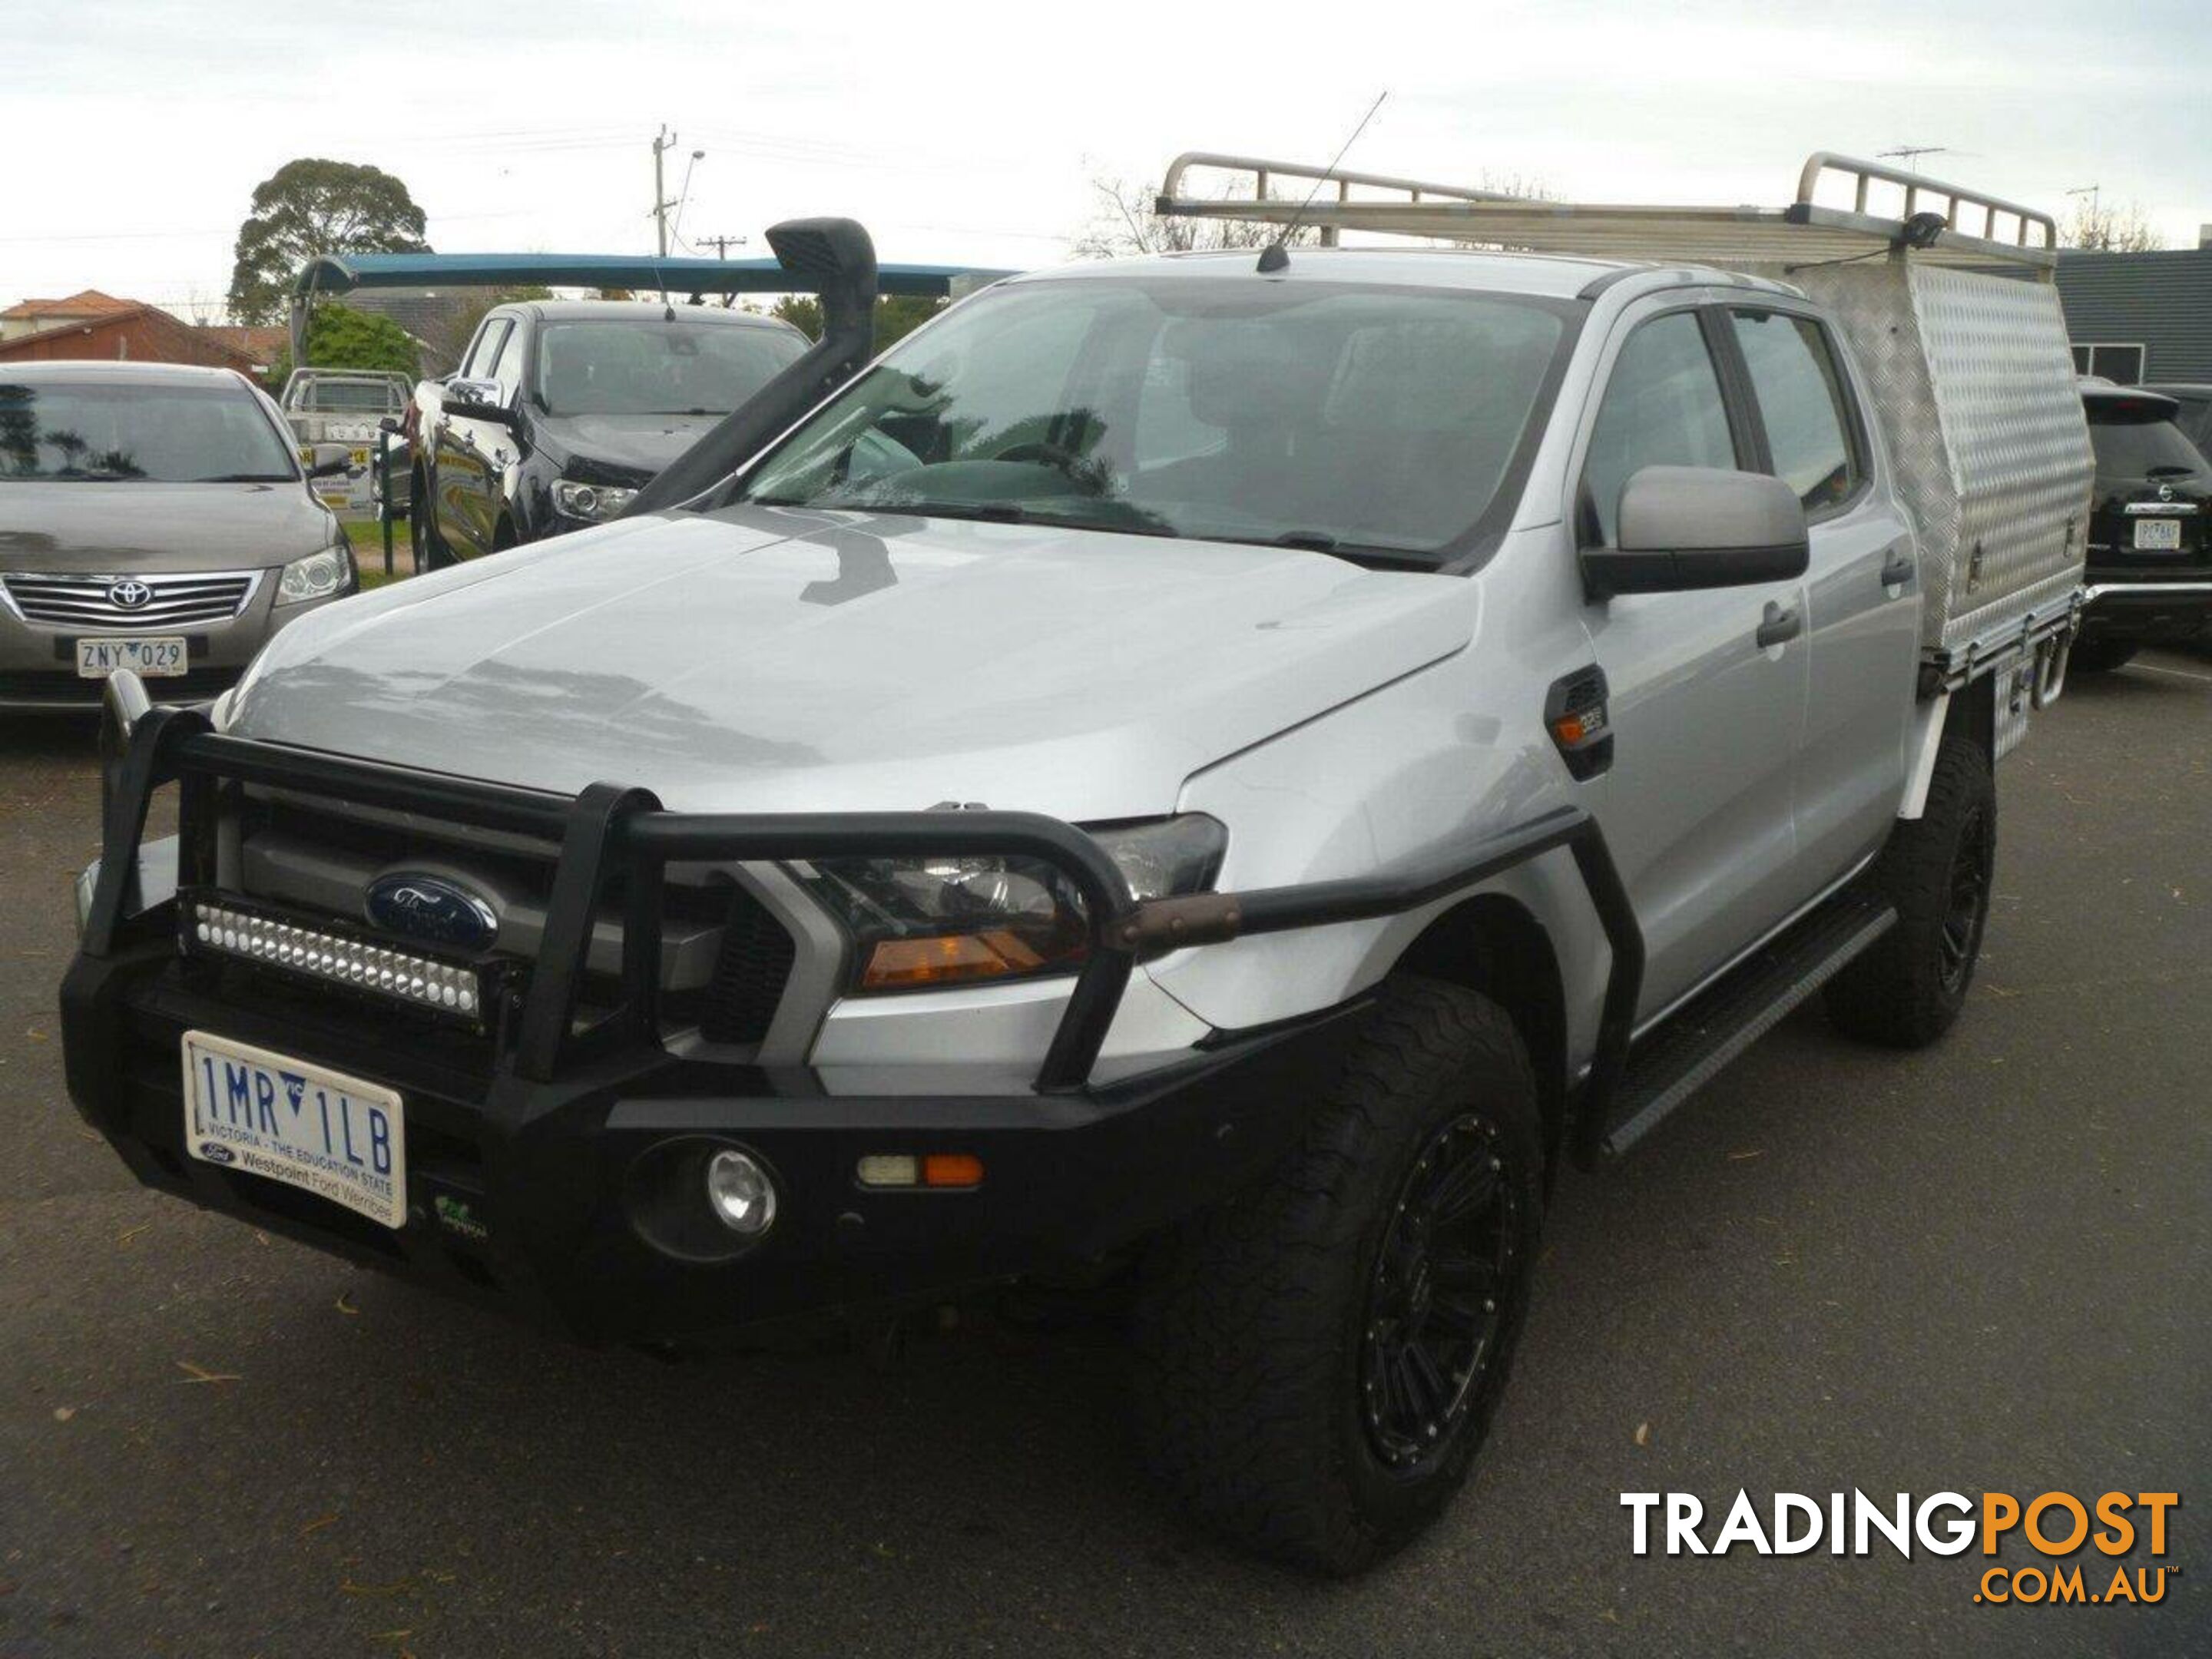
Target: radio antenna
[(1276, 256)]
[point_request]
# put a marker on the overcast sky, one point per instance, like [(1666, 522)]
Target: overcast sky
[(134, 132)]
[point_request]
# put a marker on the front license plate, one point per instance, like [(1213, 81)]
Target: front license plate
[(156, 656), (336, 1136), (2158, 535)]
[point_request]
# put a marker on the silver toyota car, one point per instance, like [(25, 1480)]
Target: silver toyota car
[(153, 517)]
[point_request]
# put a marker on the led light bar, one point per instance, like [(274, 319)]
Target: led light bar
[(217, 925)]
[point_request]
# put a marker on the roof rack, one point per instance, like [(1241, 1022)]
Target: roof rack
[(1976, 229)]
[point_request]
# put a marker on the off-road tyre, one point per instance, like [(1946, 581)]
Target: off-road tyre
[(1261, 1326), (2101, 656), (1937, 871)]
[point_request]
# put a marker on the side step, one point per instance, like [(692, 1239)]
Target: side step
[(1677, 1058)]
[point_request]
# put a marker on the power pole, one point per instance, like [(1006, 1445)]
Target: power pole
[(722, 245), (661, 146)]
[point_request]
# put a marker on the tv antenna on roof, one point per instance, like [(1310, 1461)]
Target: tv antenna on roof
[(1276, 256), (1911, 154)]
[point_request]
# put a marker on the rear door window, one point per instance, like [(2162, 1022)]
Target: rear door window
[(1802, 403)]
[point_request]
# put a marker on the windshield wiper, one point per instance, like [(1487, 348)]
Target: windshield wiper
[(1319, 541), (245, 477), (1015, 513)]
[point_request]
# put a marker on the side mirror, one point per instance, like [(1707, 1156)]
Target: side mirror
[(390, 423), (477, 400), (331, 461), (1684, 527)]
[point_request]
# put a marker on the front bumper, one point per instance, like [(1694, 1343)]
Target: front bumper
[(38, 661), (523, 1195), (2149, 610), (541, 1126)]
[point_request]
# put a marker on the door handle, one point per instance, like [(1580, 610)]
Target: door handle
[(1778, 625), (1897, 569)]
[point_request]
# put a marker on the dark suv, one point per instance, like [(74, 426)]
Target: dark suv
[(2150, 559), (562, 409)]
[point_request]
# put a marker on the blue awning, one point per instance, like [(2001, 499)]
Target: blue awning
[(336, 273)]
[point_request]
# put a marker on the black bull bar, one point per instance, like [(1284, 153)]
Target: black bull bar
[(611, 834)]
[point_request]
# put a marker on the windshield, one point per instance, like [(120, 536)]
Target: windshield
[(2130, 448), (1342, 418), (644, 366), (208, 433)]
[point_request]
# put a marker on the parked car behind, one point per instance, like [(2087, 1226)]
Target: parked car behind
[(561, 409), (153, 517), (343, 406), (2150, 560)]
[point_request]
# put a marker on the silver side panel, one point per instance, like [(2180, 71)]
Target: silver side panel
[(1973, 387)]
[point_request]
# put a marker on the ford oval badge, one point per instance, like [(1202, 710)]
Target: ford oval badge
[(431, 909)]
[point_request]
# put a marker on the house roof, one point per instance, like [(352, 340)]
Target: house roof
[(180, 336), (86, 302)]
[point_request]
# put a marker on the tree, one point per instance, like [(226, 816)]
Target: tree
[(312, 206), (338, 336), (2108, 228), (1123, 223)]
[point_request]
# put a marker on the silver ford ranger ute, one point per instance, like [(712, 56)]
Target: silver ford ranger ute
[(1203, 779)]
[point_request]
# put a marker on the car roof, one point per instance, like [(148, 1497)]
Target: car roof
[(1548, 275), (563, 311), (108, 371)]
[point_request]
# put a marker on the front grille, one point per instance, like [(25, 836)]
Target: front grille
[(724, 960), (178, 601), (755, 960)]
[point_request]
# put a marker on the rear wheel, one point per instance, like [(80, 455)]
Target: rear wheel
[(1318, 1360), (422, 539), (1937, 871), (2101, 656)]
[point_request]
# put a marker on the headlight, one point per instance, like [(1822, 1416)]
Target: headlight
[(316, 576), (921, 923), (592, 503)]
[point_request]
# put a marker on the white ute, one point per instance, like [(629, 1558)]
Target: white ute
[(1206, 775)]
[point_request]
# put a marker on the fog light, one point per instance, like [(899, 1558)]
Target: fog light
[(743, 1197)]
